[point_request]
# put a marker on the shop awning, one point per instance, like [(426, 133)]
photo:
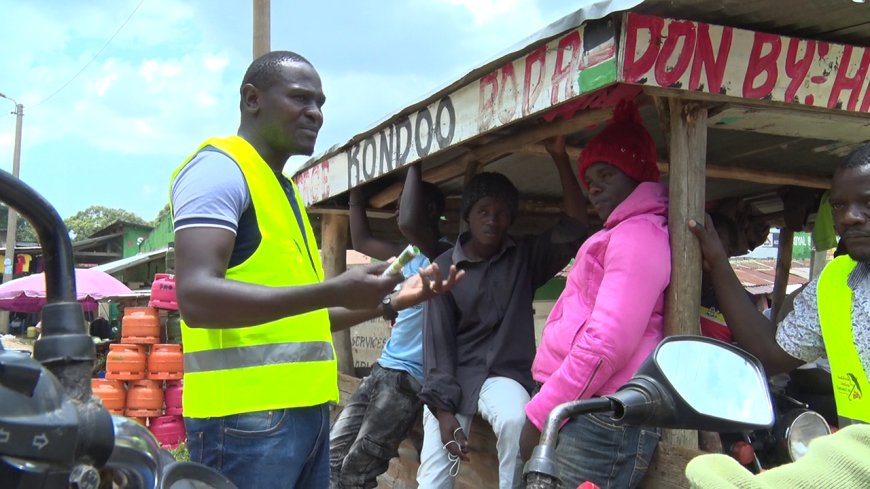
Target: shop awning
[(132, 261)]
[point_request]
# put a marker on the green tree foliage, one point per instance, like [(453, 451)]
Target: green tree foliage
[(87, 222), (25, 232), (160, 215)]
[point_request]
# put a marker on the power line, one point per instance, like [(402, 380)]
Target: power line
[(46, 99)]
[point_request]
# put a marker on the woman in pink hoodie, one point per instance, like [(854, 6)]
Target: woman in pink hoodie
[(609, 317)]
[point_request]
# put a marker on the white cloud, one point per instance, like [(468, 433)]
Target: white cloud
[(102, 85), (214, 63), (146, 93), (170, 78), (150, 189), (486, 12)]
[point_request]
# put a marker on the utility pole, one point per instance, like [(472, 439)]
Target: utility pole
[(12, 223), (262, 27)]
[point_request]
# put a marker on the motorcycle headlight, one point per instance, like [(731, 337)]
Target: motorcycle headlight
[(805, 427)]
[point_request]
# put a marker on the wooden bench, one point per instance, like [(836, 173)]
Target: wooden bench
[(666, 471)]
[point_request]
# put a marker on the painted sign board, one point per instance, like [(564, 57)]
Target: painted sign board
[(574, 63), (699, 57)]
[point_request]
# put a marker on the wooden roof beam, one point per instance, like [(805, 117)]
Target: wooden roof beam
[(720, 171), (489, 152)]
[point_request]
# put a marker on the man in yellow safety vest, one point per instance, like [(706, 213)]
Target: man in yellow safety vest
[(831, 316), (260, 368)]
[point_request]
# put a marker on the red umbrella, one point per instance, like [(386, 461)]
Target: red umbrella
[(27, 294)]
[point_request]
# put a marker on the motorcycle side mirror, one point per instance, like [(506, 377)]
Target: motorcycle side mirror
[(696, 383), (688, 382)]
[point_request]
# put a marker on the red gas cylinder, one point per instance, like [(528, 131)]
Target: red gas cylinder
[(140, 326), (125, 362), (169, 430), (172, 397), (163, 292), (165, 362), (112, 393), (144, 399)]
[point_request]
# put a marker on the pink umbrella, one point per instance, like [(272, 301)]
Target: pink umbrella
[(27, 294)]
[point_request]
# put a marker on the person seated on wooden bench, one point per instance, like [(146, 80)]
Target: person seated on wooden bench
[(479, 338), (609, 318), (379, 415)]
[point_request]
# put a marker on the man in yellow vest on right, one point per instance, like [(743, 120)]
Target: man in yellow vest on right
[(831, 316)]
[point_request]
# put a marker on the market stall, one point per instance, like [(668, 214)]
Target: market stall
[(752, 105)]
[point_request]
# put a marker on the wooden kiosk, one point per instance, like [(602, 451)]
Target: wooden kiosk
[(747, 101)]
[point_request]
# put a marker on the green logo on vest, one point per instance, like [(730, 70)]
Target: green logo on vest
[(849, 387)]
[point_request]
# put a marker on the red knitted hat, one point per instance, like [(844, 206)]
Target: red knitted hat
[(625, 144)]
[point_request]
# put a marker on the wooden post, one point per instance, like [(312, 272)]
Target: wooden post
[(262, 27), (688, 155), (783, 269), (334, 235)]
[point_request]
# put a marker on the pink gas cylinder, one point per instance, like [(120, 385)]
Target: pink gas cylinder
[(163, 292), (169, 430), (172, 397)]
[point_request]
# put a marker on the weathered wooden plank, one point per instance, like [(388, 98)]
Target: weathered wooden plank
[(541, 76), (720, 171), (334, 255), (684, 55), (490, 151), (668, 467), (783, 268), (688, 154)]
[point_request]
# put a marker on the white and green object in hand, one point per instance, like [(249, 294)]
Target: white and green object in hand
[(404, 257)]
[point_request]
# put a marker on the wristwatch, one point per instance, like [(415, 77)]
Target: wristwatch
[(390, 314)]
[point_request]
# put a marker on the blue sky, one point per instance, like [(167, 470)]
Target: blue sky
[(169, 79)]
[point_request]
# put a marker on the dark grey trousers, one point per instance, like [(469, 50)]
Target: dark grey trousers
[(367, 433)]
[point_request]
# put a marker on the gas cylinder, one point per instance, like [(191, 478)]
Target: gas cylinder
[(144, 399), (172, 397), (163, 292), (125, 362), (173, 329), (140, 326), (112, 393), (169, 430), (165, 362)]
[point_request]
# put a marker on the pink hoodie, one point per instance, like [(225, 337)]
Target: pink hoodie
[(609, 318)]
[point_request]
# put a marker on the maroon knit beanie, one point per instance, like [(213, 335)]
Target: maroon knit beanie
[(625, 144)]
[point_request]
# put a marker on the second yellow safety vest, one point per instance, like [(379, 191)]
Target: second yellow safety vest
[(851, 390)]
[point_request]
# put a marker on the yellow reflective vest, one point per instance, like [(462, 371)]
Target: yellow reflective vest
[(282, 364), (835, 314)]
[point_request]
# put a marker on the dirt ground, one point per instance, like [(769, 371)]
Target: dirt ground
[(11, 342)]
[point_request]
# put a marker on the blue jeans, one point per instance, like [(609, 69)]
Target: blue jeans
[(282, 448), (592, 448)]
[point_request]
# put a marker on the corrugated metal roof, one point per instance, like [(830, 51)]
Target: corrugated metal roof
[(842, 21), (131, 261), (794, 142), (762, 273)]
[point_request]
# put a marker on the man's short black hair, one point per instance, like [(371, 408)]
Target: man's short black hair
[(433, 195), (490, 184), (263, 71), (858, 158)]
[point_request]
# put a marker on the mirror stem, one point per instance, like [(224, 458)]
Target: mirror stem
[(564, 411)]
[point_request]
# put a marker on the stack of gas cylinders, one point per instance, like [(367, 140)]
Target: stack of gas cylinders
[(144, 371)]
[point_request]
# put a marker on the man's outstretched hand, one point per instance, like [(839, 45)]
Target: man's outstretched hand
[(427, 284)]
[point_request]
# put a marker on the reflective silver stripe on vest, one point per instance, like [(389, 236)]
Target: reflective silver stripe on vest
[(257, 356)]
